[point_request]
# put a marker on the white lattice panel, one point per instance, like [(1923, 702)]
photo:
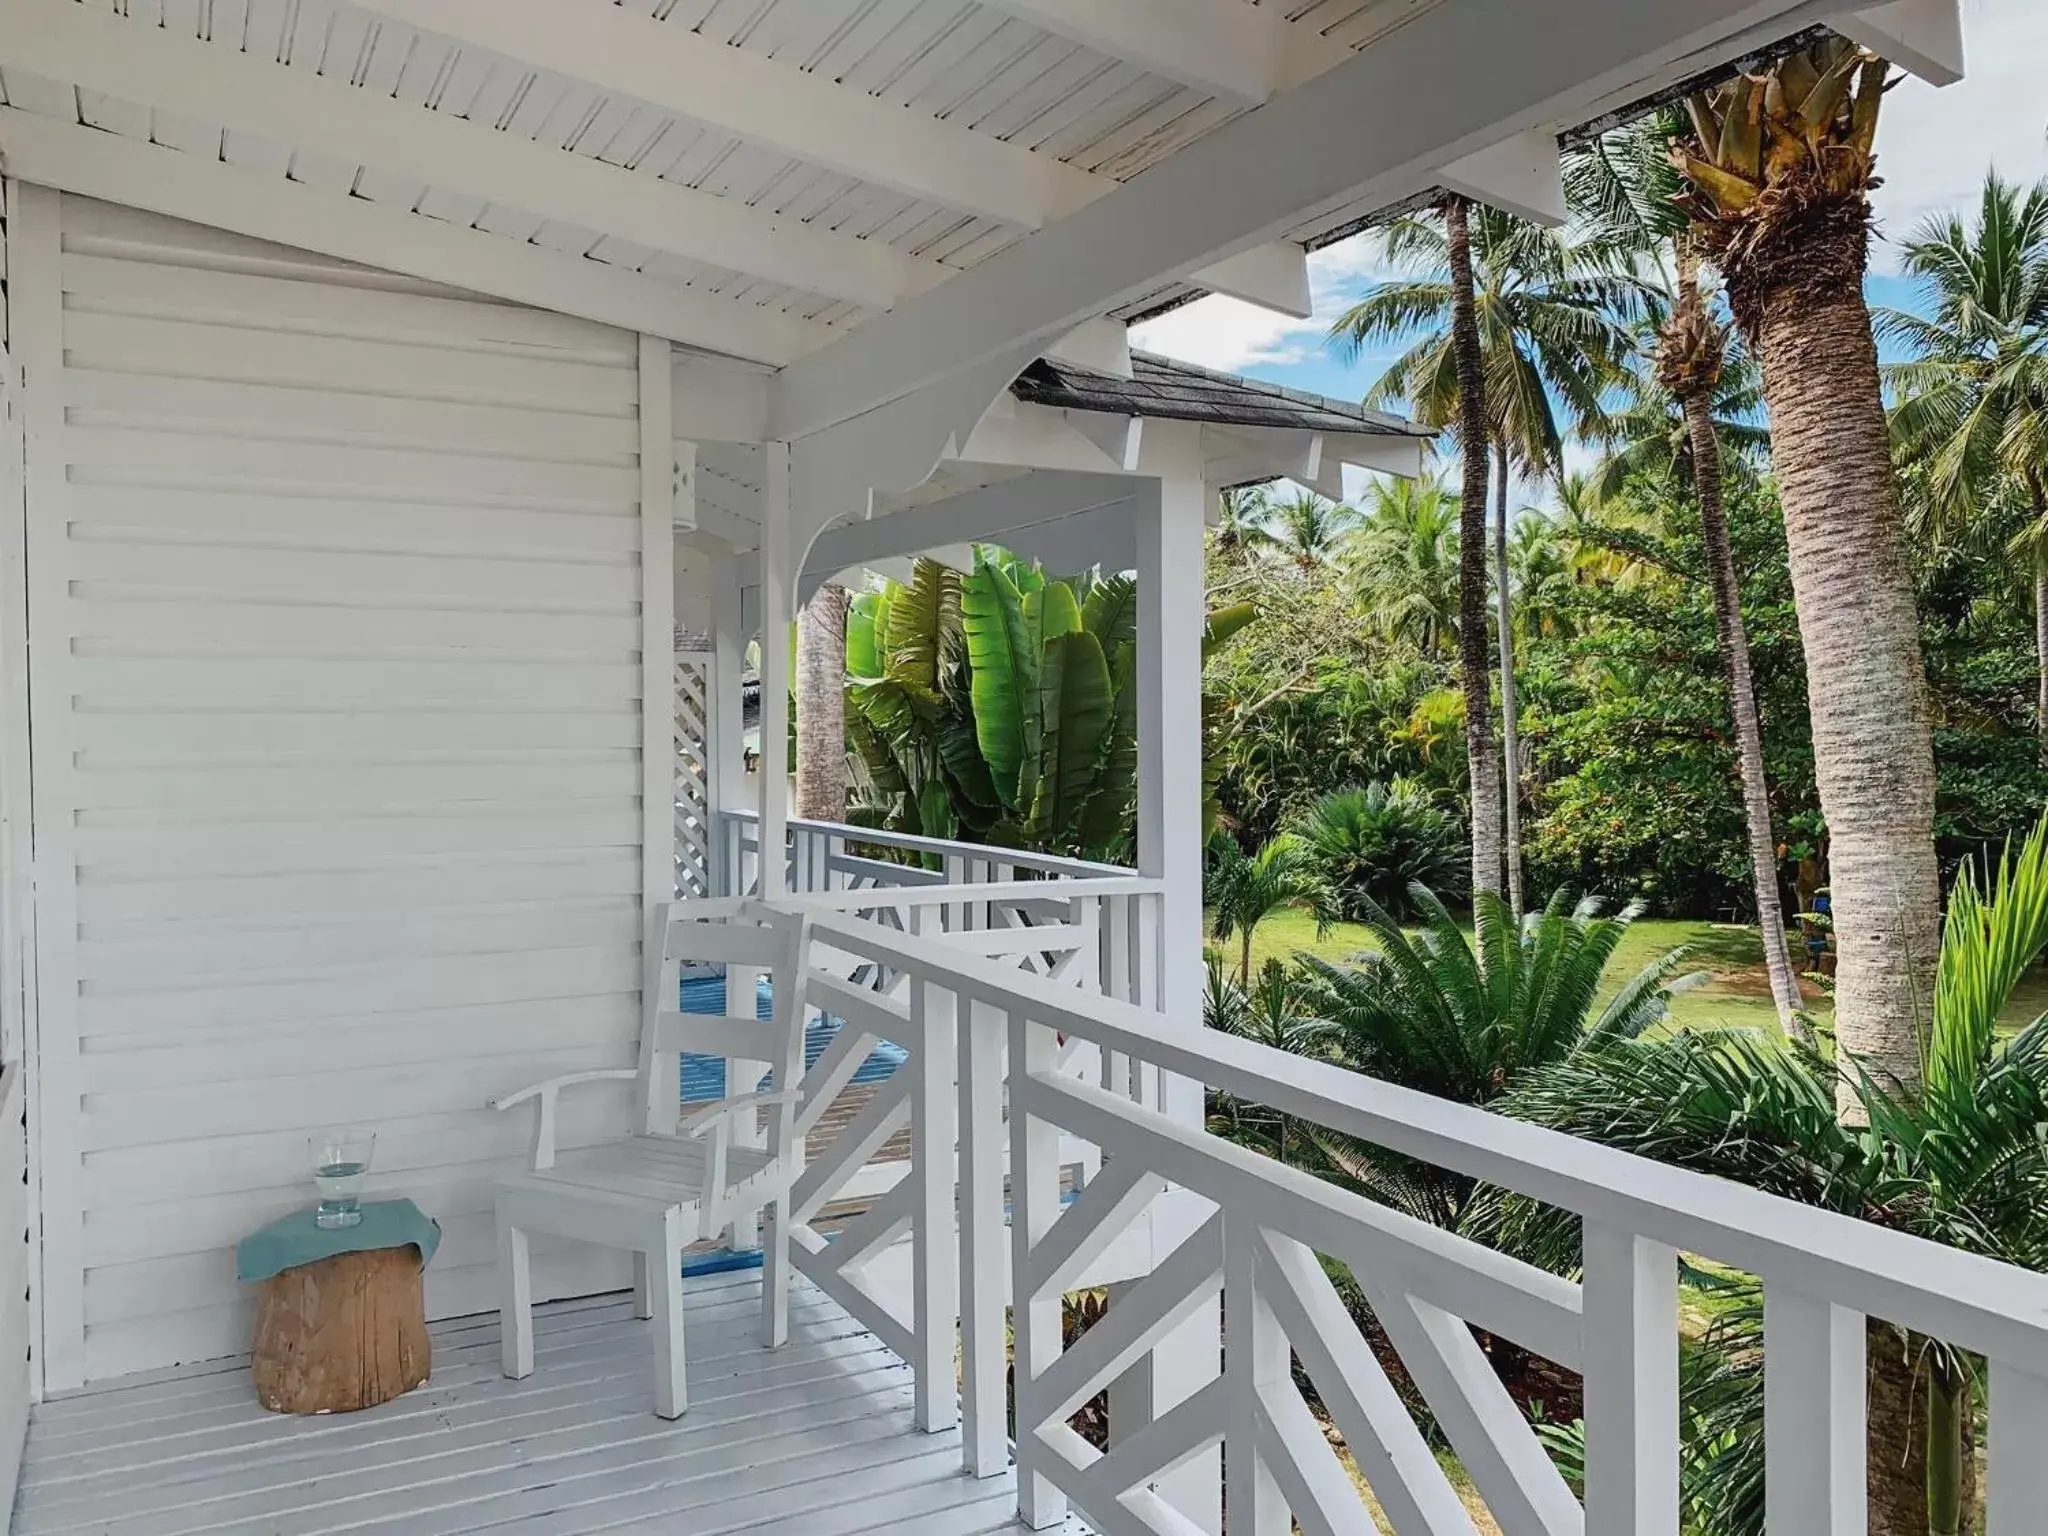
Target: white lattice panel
[(693, 774)]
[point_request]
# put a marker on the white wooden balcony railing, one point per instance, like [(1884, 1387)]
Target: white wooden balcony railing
[(1016, 1065), (825, 855)]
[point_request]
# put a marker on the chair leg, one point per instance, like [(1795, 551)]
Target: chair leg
[(775, 1276), (643, 1295), (671, 1383), (515, 1300)]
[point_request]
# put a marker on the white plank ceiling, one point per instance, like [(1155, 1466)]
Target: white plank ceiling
[(980, 74)]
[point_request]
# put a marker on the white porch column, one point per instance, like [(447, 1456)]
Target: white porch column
[(725, 709), (778, 596), (1171, 606), (1168, 518)]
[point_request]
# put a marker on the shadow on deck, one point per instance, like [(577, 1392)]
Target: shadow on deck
[(814, 1438)]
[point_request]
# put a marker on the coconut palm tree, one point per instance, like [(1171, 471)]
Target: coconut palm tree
[(1449, 308), (1972, 408), (1778, 166), (1404, 562), (1308, 529), (1541, 564), (1546, 327), (1246, 889), (821, 705), (1242, 514), (1686, 405)]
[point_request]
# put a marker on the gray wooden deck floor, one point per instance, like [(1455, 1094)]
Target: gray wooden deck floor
[(815, 1438)]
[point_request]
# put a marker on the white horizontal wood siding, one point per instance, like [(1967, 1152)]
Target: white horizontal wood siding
[(337, 621), (17, 1298), (15, 1386)]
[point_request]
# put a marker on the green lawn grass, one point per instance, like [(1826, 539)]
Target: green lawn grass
[(1736, 993)]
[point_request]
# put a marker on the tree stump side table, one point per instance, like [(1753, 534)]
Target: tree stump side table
[(340, 1322)]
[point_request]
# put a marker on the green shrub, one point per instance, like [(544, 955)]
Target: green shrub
[(1372, 844)]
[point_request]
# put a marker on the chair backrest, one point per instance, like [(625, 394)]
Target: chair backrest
[(751, 941)]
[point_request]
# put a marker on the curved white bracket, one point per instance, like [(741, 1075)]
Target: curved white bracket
[(836, 474)]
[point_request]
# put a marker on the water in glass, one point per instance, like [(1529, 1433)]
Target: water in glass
[(341, 1163)]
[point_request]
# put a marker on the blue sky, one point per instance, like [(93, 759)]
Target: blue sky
[(1933, 149)]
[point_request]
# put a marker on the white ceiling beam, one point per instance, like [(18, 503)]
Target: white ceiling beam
[(92, 163), (209, 82), (777, 106), (1922, 36), (1452, 81), (1523, 175), (1242, 53)]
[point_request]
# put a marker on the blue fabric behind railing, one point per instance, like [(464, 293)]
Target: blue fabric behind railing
[(704, 1076)]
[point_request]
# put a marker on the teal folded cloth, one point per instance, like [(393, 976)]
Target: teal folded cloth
[(293, 1240)]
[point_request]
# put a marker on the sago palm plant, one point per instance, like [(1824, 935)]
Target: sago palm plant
[(1377, 843), (1467, 1018)]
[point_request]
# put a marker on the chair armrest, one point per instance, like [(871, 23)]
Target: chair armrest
[(555, 1085), (547, 1093), (714, 1114)]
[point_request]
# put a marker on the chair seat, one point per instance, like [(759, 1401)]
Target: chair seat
[(655, 1171)]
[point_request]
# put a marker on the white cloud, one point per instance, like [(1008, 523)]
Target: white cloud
[(1933, 145), (1230, 334)]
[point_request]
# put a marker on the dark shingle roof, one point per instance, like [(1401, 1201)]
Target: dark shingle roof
[(1167, 390)]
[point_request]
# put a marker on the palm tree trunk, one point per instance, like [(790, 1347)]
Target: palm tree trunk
[(2041, 643), (1866, 682), (1921, 1445), (1948, 1451), (1510, 704), (1244, 958), (1732, 639), (821, 706), (1481, 759)]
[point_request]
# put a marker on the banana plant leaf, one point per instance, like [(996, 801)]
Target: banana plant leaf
[(1106, 826), (1224, 622), (877, 759), (1004, 652), (1077, 705), (922, 618), (864, 632), (1111, 612), (959, 748), (1054, 609)]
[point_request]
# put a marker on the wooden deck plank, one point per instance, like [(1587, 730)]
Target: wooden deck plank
[(815, 1438)]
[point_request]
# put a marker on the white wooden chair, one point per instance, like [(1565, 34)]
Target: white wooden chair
[(679, 1178)]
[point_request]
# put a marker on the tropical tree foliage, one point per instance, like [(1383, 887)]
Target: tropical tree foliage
[(1972, 417), (1549, 324)]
